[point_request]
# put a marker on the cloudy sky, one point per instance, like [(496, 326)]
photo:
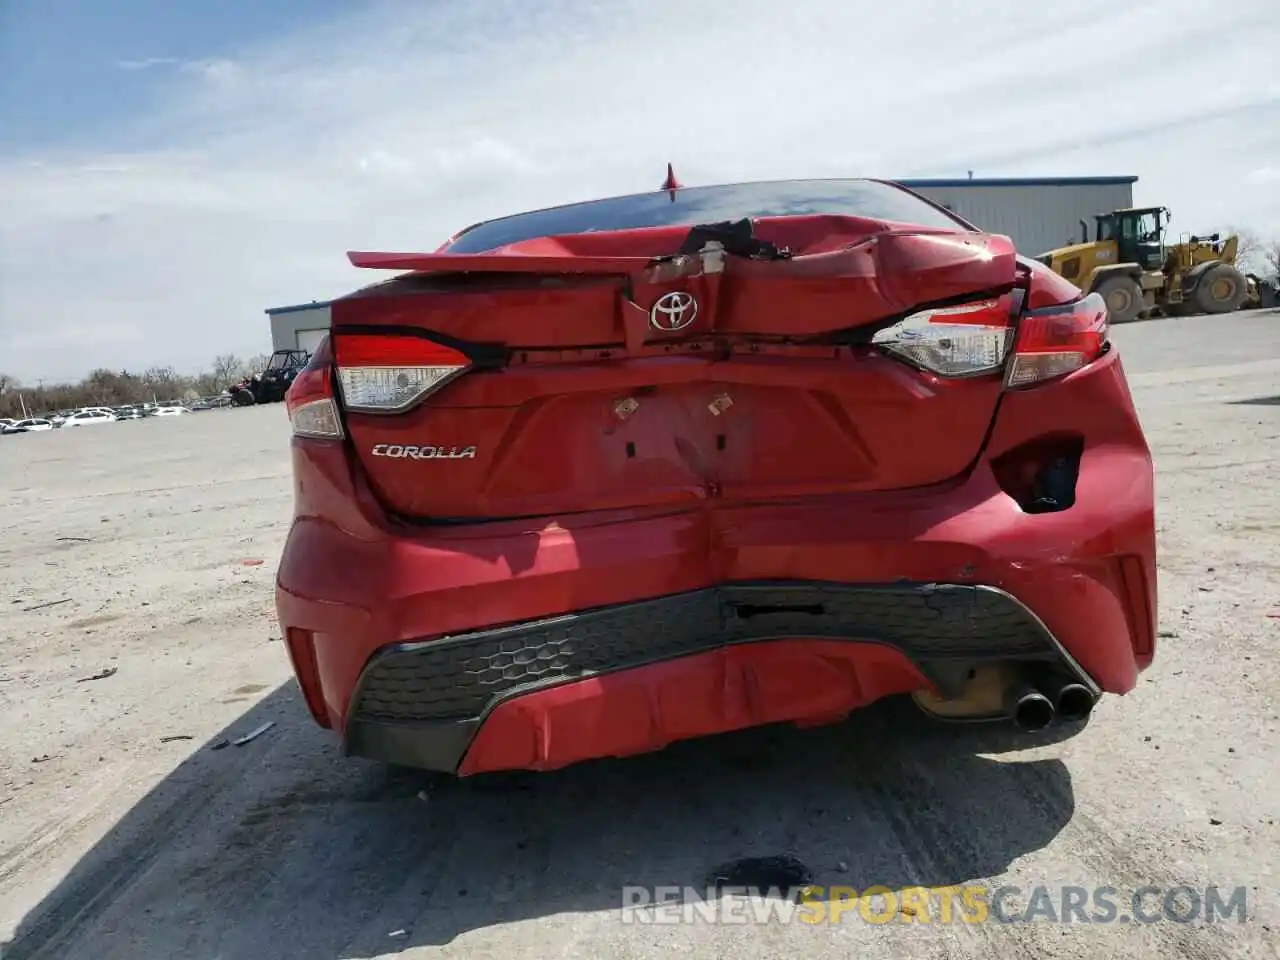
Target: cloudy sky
[(168, 170)]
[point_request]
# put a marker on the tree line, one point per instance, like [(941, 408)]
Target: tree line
[(111, 388), (1257, 255)]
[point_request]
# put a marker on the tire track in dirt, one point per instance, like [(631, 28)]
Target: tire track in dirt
[(105, 881)]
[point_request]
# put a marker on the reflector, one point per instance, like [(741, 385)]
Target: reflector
[(317, 419), (309, 399)]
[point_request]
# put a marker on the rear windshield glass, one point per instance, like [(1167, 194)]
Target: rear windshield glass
[(857, 198)]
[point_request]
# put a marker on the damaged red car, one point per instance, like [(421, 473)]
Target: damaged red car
[(593, 479)]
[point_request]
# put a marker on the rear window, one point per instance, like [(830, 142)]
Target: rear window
[(692, 205)]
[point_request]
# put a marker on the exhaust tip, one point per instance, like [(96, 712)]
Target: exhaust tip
[(1075, 702), (1034, 713), (1028, 708)]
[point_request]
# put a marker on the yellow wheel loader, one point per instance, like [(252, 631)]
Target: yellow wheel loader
[(1128, 264)]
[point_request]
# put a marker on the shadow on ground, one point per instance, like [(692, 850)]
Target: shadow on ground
[(281, 848), (1270, 401)]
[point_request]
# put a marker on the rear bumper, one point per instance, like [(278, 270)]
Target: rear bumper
[(625, 631), (640, 675)]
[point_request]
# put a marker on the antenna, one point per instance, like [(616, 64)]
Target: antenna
[(671, 184)]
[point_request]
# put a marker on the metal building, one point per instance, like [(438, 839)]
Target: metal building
[(1038, 214), (299, 327)]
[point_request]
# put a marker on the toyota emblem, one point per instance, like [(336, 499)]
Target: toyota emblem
[(673, 311)]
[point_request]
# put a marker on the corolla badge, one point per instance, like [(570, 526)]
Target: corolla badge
[(398, 451)]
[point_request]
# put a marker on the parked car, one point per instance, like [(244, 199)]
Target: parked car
[(32, 425), (169, 411), (6, 422), (129, 413), (713, 457), (90, 417)]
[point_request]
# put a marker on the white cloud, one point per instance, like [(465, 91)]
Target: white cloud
[(217, 73), (146, 63), (400, 124)]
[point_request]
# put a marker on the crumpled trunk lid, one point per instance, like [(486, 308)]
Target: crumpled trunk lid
[(676, 366)]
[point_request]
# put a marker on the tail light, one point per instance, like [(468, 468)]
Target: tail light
[(1057, 340), (373, 374), (969, 340), (388, 374), (310, 401), (986, 337)]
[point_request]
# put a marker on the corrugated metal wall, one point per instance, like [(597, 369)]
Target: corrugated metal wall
[(1038, 217)]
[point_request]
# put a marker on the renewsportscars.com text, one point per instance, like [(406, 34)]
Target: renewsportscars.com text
[(970, 904)]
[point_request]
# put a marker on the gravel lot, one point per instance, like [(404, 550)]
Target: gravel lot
[(152, 547)]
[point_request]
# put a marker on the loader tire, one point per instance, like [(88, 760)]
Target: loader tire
[(242, 398), (1123, 298), (1222, 289)]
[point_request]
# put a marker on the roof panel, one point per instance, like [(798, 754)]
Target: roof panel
[(315, 305), (1018, 181)]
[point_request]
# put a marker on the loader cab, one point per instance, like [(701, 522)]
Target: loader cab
[(1137, 233)]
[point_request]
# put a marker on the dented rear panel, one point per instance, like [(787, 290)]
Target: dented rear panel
[(591, 391)]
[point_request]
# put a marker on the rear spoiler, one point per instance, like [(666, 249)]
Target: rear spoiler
[(817, 236), (497, 263), (894, 269)]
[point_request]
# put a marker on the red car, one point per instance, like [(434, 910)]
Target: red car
[(593, 479)]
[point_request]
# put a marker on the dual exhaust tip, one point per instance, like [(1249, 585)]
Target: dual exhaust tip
[(1034, 708)]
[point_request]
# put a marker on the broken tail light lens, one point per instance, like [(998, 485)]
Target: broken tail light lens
[(983, 337), (1054, 341), (968, 340), (310, 401), (388, 374)]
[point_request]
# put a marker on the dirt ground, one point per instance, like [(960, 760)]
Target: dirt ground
[(149, 548)]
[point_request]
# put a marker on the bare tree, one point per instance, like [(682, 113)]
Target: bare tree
[(163, 383), (227, 369), (1249, 247), (1269, 256)]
